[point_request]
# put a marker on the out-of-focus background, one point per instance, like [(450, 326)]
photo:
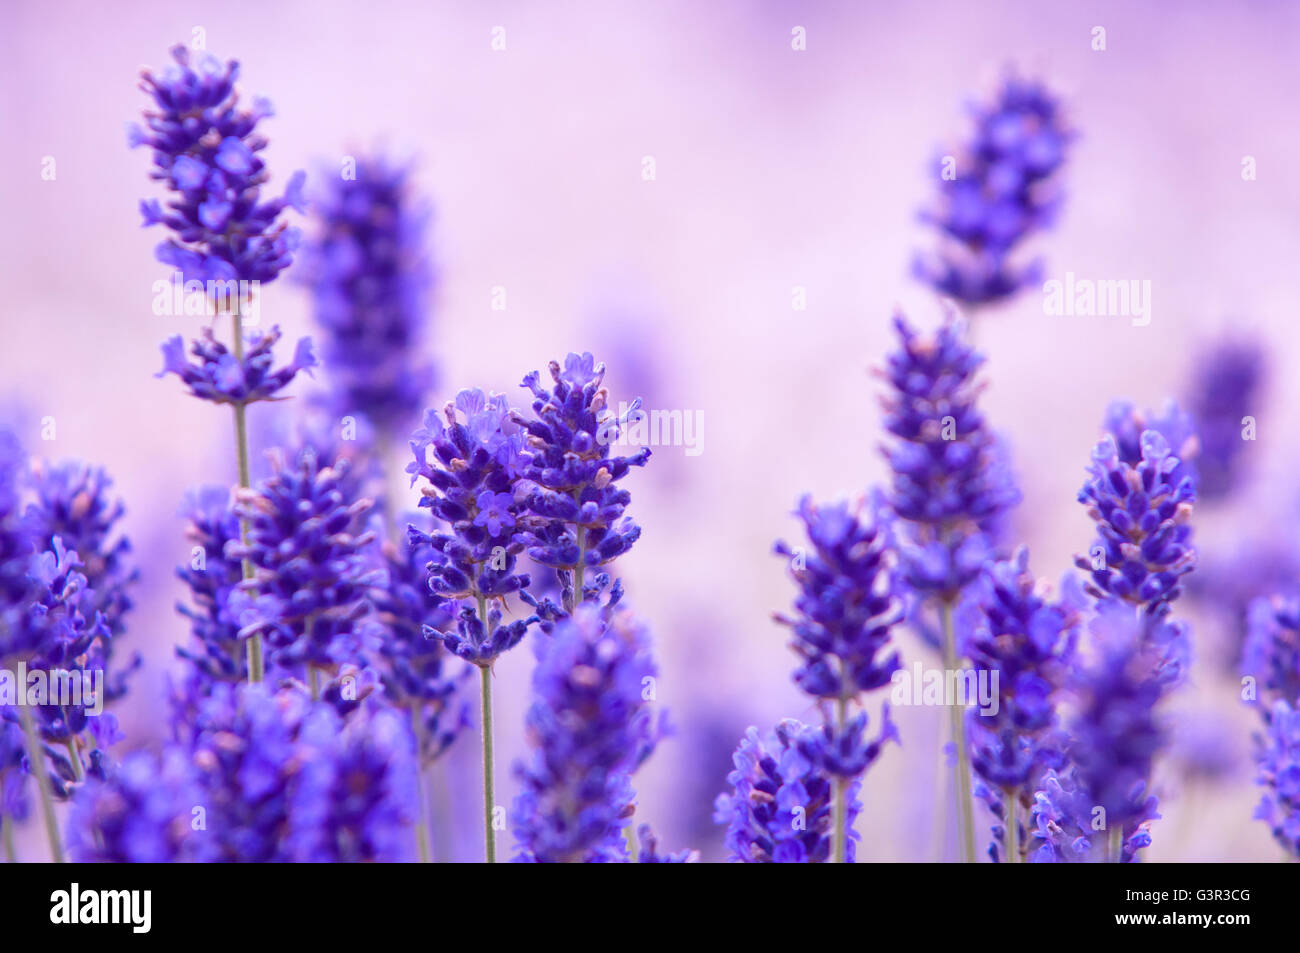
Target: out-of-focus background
[(774, 168)]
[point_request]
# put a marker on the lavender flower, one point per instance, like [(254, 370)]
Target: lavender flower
[(569, 483), (846, 605), (420, 674), (1225, 389), (1143, 519), (648, 852), (471, 463), (1005, 189), (780, 808), (143, 813), (1271, 654), (1278, 756), (314, 568), (1126, 424), (223, 377), (591, 727), (370, 279), (1064, 824), (949, 478), (205, 150), (18, 639)]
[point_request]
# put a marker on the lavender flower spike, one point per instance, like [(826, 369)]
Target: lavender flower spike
[(1278, 755), (574, 504), (591, 726), (1004, 189), (370, 279), (205, 150), (229, 377)]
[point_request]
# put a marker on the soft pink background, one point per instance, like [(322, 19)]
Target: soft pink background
[(775, 168)]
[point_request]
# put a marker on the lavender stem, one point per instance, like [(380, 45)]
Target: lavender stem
[(966, 821), (255, 670), (36, 757)]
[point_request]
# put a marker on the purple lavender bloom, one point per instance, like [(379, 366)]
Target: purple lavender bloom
[(420, 674), (569, 482), (205, 151), (219, 376), (1225, 389), (949, 481), (355, 798), (216, 652), (846, 604), (1271, 653), (314, 565), (1063, 824), (14, 802), (1278, 756), (1116, 734), (18, 639), (780, 807), (1004, 189), (142, 813), (471, 461), (591, 727), (648, 850), (1143, 518), (370, 280)]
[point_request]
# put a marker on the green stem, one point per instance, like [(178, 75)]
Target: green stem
[(1013, 826), (36, 757), (965, 817), (78, 773), (841, 799), (1115, 845), (313, 676), (255, 668), (489, 797)]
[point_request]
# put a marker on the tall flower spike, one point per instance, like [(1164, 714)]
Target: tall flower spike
[(591, 727), (470, 459), (950, 481), (1278, 756), (1005, 188), (574, 504), (846, 604), (1126, 424), (1224, 392), (780, 807), (370, 280), (314, 566), (1143, 518), (205, 151)]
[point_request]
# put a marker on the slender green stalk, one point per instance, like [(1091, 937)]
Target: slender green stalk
[(1115, 845), (7, 836), (841, 799), (78, 772), (1013, 826), (965, 816), (489, 795), (256, 672), (36, 757), (313, 676)]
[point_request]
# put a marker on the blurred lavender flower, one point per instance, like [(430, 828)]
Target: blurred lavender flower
[(205, 150), (1225, 388), (1002, 189), (471, 468), (223, 377), (1278, 756), (648, 850), (1126, 424), (780, 807), (1271, 654), (314, 566), (846, 604), (949, 482), (18, 639), (370, 280), (591, 726), (569, 482), (142, 814), (1143, 518)]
